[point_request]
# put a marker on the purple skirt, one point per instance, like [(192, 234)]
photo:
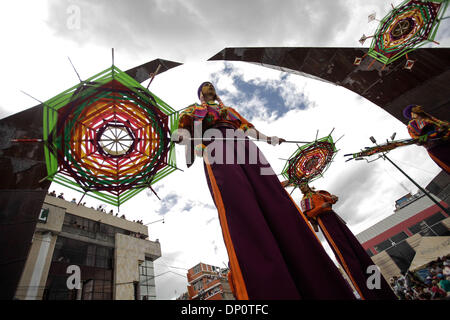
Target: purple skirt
[(353, 258), (441, 155), (274, 253)]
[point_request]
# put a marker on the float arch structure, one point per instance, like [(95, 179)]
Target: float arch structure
[(391, 88)]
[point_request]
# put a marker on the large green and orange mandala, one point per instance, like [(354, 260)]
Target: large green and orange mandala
[(108, 137), (410, 25), (309, 162)]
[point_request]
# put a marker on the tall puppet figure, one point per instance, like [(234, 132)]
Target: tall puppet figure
[(273, 252), (432, 133), (317, 206)]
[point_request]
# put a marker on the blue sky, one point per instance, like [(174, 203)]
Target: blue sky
[(267, 94)]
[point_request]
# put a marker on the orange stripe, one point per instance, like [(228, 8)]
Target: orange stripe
[(239, 284), (443, 165), (304, 218), (344, 264)]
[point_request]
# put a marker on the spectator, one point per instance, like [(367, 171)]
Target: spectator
[(408, 280), (399, 289), (421, 294), (428, 280), (61, 195), (446, 271), (111, 212), (444, 282), (74, 200), (436, 285), (53, 193), (435, 269), (436, 292), (409, 295)]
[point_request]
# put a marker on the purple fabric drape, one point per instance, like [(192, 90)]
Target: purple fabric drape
[(441, 155), (352, 256), (278, 254)]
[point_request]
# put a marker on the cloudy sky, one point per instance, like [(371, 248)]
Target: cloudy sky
[(38, 36)]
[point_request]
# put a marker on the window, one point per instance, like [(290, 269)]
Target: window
[(399, 237), (147, 280), (383, 245), (402, 254), (435, 218), (197, 269), (440, 229), (427, 227), (198, 285), (90, 228), (392, 241), (95, 263), (427, 232), (57, 289), (369, 252), (418, 227)]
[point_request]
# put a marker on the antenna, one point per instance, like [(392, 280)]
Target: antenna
[(393, 135), (75, 69), (31, 96), (112, 55), (153, 75)]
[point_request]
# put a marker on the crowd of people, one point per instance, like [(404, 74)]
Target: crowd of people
[(100, 208), (431, 283)]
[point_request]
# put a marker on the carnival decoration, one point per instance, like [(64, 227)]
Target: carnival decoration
[(407, 27), (108, 137), (384, 148), (309, 161)]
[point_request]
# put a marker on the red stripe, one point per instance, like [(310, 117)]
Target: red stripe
[(402, 226)]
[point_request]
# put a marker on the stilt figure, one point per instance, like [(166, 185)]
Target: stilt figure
[(273, 252), (317, 206), (432, 133)]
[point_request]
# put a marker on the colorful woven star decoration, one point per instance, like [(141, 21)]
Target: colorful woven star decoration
[(108, 137), (309, 161), (407, 27)]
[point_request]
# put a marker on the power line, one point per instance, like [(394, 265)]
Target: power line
[(116, 284), (162, 260)]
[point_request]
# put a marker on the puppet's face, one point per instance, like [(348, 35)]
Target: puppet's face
[(304, 188), (208, 90)]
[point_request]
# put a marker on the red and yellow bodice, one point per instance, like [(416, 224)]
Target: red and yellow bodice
[(210, 114), (316, 203)]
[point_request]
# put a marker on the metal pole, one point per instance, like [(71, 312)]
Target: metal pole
[(420, 188)]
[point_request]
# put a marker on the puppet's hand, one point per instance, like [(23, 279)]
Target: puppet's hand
[(423, 139), (275, 140)]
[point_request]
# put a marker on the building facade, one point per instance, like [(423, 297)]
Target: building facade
[(110, 256), (391, 242), (208, 282)]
